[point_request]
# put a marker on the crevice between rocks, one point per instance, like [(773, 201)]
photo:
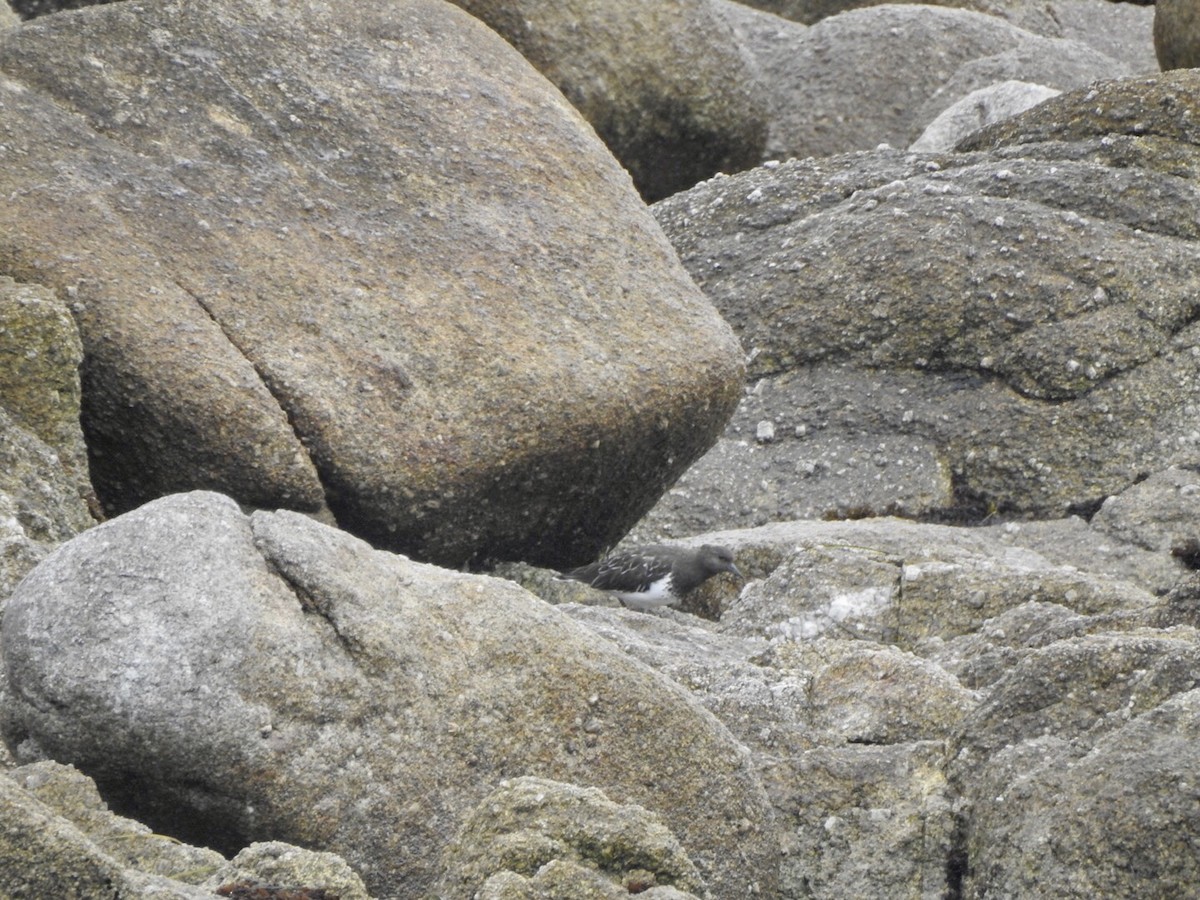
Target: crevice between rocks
[(266, 383)]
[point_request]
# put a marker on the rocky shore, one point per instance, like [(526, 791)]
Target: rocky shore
[(327, 336)]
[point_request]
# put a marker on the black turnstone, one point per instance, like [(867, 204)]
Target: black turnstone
[(654, 575)]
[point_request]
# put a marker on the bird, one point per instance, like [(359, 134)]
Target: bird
[(655, 574)]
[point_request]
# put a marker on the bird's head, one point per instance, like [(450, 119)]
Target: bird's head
[(718, 559)]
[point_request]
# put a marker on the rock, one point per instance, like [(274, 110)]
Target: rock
[(1120, 821), (1086, 370), (410, 289), (1080, 688), (978, 108), (835, 729), (72, 795), (911, 699), (1176, 34), (1122, 31), (866, 821), (280, 864), (60, 840), (882, 74), (766, 704), (811, 11), (40, 354), (267, 677), (1161, 513), (1086, 546), (8, 18), (664, 85), (981, 658), (900, 582), (527, 824), (43, 462), (42, 855)]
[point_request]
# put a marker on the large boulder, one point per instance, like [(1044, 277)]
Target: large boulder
[(664, 84), (1119, 821), (882, 74), (362, 259), (896, 683), (239, 678), (1020, 318), (980, 107), (1176, 34)]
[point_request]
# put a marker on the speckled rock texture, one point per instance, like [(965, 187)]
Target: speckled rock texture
[(1019, 320), (44, 487), (529, 824), (1119, 820), (883, 73), (362, 261), (999, 339), (931, 754), (664, 84), (60, 840), (268, 677)]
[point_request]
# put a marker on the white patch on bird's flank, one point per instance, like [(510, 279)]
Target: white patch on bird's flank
[(657, 594)]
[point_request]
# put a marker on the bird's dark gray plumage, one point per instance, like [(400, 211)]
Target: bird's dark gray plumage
[(654, 575)]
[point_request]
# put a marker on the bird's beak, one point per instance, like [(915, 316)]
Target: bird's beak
[(734, 569)]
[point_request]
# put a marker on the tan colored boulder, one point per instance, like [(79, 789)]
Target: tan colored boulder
[(1177, 34), (363, 260), (664, 84)]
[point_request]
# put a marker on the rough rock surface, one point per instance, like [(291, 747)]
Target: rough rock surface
[(889, 769), (1176, 34), (981, 107), (664, 84), (61, 841), (43, 462), (1117, 821), (829, 91), (362, 257), (268, 676), (811, 11), (527, 824), (1048, 359)]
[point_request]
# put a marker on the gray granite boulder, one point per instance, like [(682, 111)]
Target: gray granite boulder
[(1161, 513), (897, 683), (882, 74), (1018, 321), (1080, 688), (1120, 820), (848, 738), (978, 108), (900, 582), (361, 260), (239, 678), (665, 85)]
